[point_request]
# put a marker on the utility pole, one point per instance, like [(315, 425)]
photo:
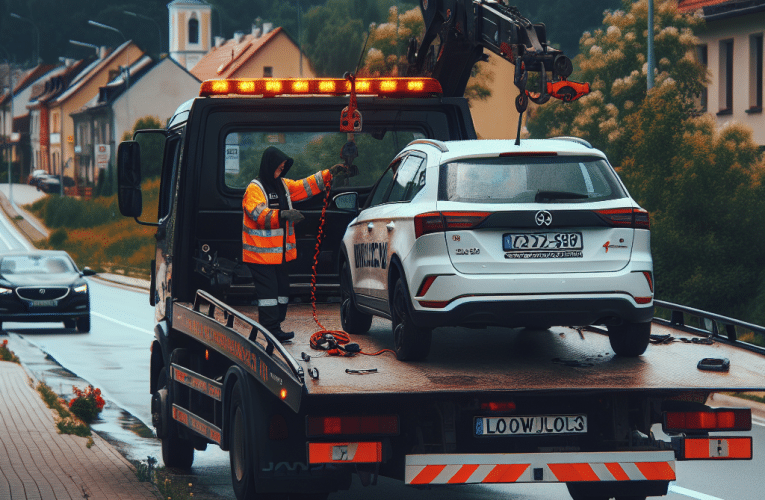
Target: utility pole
[(651, 62)]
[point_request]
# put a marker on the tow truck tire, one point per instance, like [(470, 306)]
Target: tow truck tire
[(177, 453), (241, 451), (353, 321), (70, 323), (83, 323), (410, 342), (629, 339)]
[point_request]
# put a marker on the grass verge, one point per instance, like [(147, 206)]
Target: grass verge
[(66, 422)]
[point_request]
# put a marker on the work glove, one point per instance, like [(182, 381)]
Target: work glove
[(338, 169), (292, 215)]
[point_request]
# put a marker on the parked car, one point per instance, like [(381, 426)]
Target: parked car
[(488, 233), (44, 286), (52, 183), (35, 176)]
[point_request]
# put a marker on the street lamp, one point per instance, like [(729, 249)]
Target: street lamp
[(83, 44), (37, 32), (10, 132), (147, 18)]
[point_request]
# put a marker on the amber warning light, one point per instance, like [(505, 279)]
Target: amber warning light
[(270, 87)]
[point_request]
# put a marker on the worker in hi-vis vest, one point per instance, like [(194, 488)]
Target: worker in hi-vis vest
[(268, 233)]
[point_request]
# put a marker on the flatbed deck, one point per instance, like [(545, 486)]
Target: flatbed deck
[(501, 359)]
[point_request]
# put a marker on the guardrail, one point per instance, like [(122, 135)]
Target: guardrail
[(714, 326)]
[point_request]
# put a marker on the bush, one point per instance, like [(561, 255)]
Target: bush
[(87, 404)]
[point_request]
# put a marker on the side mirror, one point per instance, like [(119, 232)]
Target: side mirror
[(129, 179), (348, 202), (86, 271)]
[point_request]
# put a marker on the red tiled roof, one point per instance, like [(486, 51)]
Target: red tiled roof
[(691, 5), (225, 61)]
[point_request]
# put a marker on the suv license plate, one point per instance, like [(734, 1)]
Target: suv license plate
[(526, 242), (44, 303), (530, 425)]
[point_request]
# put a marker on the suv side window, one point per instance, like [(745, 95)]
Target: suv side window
[(384, 184), (409, 179)]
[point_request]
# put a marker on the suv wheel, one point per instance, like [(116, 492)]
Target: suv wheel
[(410, 342), (629, 339), (354, 321)]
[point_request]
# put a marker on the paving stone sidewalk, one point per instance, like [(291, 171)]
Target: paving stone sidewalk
[(38, 463)]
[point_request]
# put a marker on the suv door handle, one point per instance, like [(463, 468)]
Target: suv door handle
[(390, 226), (370, 226)]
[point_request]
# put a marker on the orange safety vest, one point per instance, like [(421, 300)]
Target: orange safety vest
[(263, 234)]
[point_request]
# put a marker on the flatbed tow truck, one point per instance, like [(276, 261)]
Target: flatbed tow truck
[(495, 406)]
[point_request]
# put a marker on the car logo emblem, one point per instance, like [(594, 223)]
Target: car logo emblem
[(42, 291), (543, 218)]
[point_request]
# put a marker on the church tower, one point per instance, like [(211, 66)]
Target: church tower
[(190, 34)]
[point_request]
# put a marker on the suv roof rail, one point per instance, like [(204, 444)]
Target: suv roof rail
[(578, 140), (431, 142)]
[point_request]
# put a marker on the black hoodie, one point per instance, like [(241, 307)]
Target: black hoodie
[(272, 158)]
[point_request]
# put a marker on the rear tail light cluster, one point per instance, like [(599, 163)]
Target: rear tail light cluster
[(352, 425), (721, 419), (435, 222), (636, 218)]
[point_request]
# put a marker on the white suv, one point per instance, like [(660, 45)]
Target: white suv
[(487, 232)]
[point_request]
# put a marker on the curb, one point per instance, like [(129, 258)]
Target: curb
[(23, 220)]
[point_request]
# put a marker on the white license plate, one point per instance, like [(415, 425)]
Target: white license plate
[(541, 241), (44, 303), (530, 425)]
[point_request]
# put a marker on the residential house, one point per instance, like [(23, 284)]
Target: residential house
[(101, 124), (14, 119), (190, 33), (64, 97), (732, 49), (262, 53)]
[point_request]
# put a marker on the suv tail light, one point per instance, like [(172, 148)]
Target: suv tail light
[(636, 218), (434, 222)]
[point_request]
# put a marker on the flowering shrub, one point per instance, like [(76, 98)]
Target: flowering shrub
[(6, 354), (87, 404)]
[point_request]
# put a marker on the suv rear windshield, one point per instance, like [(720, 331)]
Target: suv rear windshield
[(312, 151), (562, 179)]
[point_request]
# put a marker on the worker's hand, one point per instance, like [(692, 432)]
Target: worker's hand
[(293, 215), (338, 169)]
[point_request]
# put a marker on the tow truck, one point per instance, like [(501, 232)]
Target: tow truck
[(552, 406)]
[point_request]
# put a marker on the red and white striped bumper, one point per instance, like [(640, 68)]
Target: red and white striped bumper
[(540, 467)]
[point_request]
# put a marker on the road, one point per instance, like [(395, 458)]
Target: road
[(114, 356)]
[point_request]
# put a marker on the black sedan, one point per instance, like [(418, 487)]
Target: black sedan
[(44, 286)]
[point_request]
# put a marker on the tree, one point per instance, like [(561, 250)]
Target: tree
[(703, 187)]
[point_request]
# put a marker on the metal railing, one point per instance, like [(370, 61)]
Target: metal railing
[(230, 313), (711, 325)]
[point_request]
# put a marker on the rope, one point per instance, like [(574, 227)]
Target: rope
[(334, 342)]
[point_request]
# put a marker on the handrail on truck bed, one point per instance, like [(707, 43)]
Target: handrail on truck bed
[(711, 328), (230, 313)]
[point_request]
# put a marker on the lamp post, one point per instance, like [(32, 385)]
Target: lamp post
[(83, 44), (10, 131), (37, 32), (127, 71), (147, 18), (651, 62)]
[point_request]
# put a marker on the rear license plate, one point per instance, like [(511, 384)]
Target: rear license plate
[(527, 242), (530, 425), (44, 303)]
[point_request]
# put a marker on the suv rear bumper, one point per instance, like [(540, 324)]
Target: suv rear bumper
[(553, 311)]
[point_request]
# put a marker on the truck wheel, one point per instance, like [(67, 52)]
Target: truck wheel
[(70, 323), (410, 342), (242, 448), (353, 321), (177, 453), (629, 339), (83, 323)]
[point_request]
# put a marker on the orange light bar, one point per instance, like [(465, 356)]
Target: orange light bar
[(717, 448), (270, 87), (339, 453), (719, 419)]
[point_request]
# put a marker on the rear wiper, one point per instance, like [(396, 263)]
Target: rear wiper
[(558, 195)]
